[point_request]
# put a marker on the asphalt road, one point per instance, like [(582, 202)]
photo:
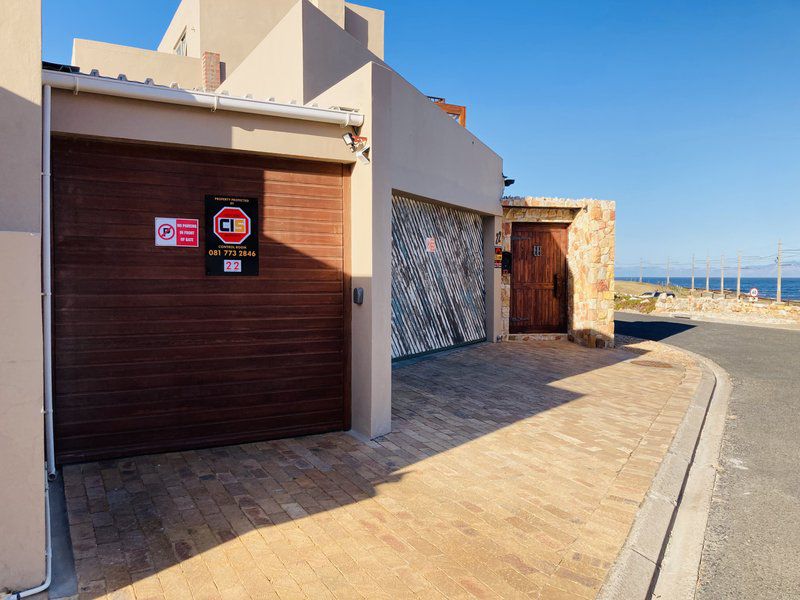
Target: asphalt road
[(752, 545)]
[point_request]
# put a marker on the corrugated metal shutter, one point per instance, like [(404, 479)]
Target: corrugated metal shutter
[(437, 297)]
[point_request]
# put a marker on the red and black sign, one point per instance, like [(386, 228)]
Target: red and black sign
[(231, 235)]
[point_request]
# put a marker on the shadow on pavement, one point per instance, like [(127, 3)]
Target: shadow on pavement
[(651, 330)]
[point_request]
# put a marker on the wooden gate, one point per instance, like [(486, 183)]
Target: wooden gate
[(538, 278)]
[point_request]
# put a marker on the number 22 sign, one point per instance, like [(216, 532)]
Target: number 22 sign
[(233, 266)]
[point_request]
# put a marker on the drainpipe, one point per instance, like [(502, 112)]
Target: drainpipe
[(47, 318), (47, 286)]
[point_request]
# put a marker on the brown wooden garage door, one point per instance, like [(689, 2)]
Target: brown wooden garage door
[(153, 355)]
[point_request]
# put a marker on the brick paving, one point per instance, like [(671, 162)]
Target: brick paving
[(514, 471)]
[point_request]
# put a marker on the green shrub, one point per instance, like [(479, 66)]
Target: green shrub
[(642, 305)]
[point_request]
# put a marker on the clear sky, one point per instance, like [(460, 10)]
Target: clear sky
[(687, 113)]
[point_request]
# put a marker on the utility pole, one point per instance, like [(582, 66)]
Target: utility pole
[(668, 271), (692, 274), (739, 275), (722, 276), (641, 270), (778, 289), (708, 273)]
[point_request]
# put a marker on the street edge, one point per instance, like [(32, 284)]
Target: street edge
[(661, 557)]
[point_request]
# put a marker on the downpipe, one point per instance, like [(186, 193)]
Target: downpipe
[(47, 319), (47, 284)]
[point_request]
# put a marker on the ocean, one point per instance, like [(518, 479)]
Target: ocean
[(790, 286)]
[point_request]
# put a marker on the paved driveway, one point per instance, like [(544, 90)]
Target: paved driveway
[(514, 470), (752, 547)]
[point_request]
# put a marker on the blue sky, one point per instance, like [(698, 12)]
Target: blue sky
[(686, 113)]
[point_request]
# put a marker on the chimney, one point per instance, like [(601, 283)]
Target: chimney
[(211, 71)]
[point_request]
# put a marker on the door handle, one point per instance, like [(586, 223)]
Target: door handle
[(555, 285)]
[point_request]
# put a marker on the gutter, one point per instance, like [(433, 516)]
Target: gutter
[(94, 84)]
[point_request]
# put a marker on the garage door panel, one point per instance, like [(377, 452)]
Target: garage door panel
[(177, 360), (174, 174), (318, 376), (291, 354), (144, 339), (182, 187), (73, 449), (148, 328), (88, 317), (92, 308), (74, 221), (124, 349), (279, 367), (95, 153), (118, 420), (87, 194), (231, 424), (331, 295)]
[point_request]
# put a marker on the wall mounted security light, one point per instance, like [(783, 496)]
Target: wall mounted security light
[(354, 142)]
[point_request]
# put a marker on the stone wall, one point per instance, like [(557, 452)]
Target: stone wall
[(590, 260), (766, 312)]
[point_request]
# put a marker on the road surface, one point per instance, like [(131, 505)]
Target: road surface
[(752, 546)]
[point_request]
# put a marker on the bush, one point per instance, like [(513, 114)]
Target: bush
[(642, 305)]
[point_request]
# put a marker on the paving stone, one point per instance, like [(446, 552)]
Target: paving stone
[(512, 471)]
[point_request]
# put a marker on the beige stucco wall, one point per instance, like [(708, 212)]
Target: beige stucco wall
[(366, 25), (22, 532), (370, 266), (234, 27), (444, 163), (333, 9), (137, 64), (590, 262), (315, 56), (328, 55), (186, 18), (434, 157), (119, 118), (264, 77)]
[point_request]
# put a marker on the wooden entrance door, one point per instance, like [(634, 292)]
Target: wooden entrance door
[(538, 278)]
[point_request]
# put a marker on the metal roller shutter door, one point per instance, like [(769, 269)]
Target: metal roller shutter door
[(438, 297), (151, 354)]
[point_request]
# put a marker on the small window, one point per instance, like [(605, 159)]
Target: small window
[(180, 47)]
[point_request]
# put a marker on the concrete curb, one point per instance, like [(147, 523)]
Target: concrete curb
[(673, 515)]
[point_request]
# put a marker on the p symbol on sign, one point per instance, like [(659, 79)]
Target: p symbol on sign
[(166, 232)]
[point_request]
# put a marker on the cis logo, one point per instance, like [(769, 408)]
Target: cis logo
[(232, 225)]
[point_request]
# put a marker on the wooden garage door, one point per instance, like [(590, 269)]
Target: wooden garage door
[(153, 355)]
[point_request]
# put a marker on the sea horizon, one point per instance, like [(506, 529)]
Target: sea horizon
[(767, 286)]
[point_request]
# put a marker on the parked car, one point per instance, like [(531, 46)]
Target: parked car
[(657, 294)]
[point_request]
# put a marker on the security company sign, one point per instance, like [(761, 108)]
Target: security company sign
[(231, 235), (177, 232)]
